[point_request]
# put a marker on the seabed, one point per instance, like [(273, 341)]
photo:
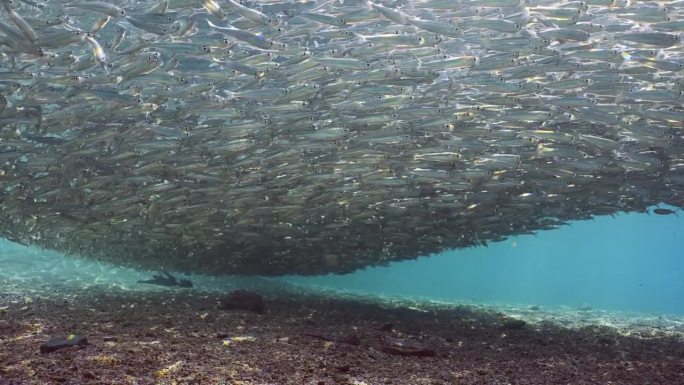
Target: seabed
[(141, 334)]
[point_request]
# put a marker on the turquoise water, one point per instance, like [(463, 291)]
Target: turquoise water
[(631, 262)]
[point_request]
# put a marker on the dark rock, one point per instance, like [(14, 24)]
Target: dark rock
[(318, 336), (340, 379), (110, 339), (534, 307), (243, 300), (405, 348), (513, 324), (605, 340), (350, 338), (89, 375), (221, 335), (63, 342), (386, 327)]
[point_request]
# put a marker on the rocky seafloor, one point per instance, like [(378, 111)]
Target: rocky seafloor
[(305, 336)]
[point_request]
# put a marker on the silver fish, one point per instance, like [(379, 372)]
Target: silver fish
[(256, 137)]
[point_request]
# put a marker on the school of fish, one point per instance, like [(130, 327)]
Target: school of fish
[(312, 136)]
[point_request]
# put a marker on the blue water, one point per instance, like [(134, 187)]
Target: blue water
[(631, 262)]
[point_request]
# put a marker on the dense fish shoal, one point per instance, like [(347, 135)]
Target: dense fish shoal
[(277, 137)]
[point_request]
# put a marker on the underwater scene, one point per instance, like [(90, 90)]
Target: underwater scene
[(596, 302), (266, 192)]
